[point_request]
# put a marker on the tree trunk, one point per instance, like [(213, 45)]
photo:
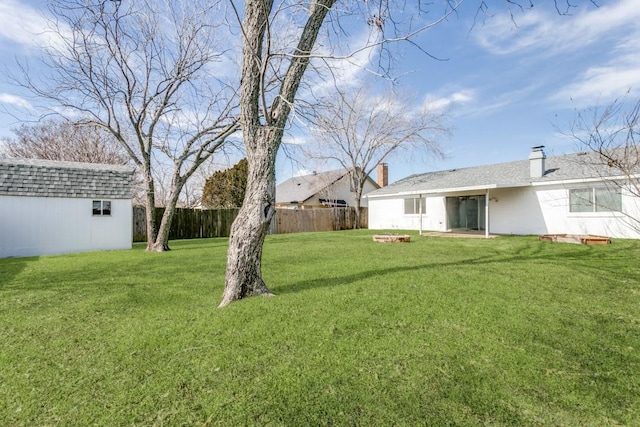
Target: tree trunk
[(358, 200), (262, 140), (150, 213), (357, 209), (359, 188), (161, 243), (244, 258)]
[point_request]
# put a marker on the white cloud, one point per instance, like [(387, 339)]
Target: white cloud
[(25, 25), (445, 102), (17, 101), (557, 33), (343, 64), (294, 140), (607, 78), (606, 37), (604, 83)]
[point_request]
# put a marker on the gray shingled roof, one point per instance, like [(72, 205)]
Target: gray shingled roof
[(48, 178), (577, 166), (300, 188)]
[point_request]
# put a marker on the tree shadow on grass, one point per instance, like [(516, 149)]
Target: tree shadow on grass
[(581, 259), (11, 267)]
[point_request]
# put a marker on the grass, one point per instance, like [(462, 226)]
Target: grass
[(507, 331)]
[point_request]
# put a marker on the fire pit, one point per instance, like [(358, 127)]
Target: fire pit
[(392, 238)]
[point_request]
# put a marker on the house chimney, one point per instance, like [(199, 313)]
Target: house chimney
[(536, 162), (382, 175)]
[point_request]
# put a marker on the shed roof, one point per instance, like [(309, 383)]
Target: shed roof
[(576, 166), (49, 178)]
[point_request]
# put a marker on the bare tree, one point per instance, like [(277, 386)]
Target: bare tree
[(610, 138), (274, 61), (65, 141), (144, 72), (360, 130)]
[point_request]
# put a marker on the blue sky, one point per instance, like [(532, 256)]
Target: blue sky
[(506, 86)]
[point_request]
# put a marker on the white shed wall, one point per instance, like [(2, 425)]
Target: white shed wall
[(31, 226)]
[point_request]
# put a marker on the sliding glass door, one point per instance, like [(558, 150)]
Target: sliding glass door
[(466, 212)]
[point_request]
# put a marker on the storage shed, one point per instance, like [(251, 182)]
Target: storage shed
[(51, 207)]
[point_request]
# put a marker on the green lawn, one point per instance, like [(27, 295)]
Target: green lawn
[(440, 331)]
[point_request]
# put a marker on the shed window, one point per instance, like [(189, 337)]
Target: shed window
[(599, 199), (102, 207), (415, 206)]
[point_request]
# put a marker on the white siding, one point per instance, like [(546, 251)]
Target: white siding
[(516, 211), (388, 213), (31, 226), (545, 210), (524, 210)]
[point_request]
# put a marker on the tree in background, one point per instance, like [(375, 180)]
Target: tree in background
[(610, 136), (225, 189), (144, 72), (65, 141), (360, 130)]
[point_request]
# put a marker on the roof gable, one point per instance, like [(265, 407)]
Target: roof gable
[(48, 178), (301, 188)]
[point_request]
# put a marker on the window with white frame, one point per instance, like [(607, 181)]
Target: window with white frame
[(415, 206), (597, 199), (102, 208)]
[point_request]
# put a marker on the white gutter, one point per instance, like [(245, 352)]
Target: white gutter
[(583, 180), (447, 190)]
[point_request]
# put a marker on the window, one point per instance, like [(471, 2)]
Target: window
[(581, 200), (102, 207), (599, 199), (608, 200), (412, 206)]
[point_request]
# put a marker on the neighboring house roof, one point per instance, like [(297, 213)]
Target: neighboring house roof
[(577, 166), (301, 188), (48, 178)]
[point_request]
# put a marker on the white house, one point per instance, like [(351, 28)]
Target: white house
[(569, 194), (49, 207), (321, 189)]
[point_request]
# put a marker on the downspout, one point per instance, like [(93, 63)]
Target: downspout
[(486, 215)]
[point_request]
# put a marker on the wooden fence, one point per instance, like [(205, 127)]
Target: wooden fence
[(301, 220), (198, 223), (187, 223)]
